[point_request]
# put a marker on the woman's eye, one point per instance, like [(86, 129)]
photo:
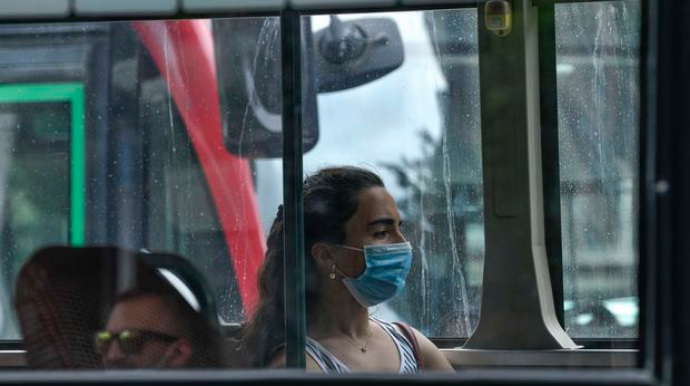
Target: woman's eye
[(380, 234)]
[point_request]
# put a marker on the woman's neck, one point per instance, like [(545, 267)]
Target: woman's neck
[(337, 314)]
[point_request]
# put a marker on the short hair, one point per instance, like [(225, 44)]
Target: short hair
[(202, 334)]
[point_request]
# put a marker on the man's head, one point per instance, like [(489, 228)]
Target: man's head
[(154, 327)]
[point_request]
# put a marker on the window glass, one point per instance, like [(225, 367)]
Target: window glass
[(179, 211), (418, 127), (598, 66), (35, 186), (163, 146), (113, 134)]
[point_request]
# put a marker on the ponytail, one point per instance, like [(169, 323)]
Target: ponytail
[(267, 329)]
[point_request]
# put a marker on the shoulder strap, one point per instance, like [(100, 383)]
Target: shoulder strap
[(410, 335)]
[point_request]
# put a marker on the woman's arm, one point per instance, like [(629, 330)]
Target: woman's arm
[(434, 360)]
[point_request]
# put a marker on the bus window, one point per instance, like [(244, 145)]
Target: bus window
[(598, 66), (420, 127), (112, 135), (42, 129), (430, 161), (179, 212), (457, 139)]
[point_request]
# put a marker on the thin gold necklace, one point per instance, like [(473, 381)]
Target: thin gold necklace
[(363, 348)]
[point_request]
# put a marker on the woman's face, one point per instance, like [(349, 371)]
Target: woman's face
[(376, 221)]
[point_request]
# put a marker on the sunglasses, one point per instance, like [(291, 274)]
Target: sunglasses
[(131, 341)]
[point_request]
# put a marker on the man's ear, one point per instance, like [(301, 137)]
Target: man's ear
[(182, 354), (322, 253)]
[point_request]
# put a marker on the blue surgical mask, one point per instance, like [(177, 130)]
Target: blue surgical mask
[(387, 266)]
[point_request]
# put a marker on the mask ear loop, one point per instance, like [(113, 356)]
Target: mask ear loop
[(334, 269)]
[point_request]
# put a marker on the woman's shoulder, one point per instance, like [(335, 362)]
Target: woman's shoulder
[(432, 356), (434, 359), (400, 328)]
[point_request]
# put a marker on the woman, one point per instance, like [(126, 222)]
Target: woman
[(357, 257)]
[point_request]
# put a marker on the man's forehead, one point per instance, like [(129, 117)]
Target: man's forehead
[(142, 311)]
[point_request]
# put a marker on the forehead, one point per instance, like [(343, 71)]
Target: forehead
[(142, 312), (374, 204)]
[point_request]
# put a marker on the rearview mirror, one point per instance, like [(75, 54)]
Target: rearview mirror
[(248, 58), (352, 53)]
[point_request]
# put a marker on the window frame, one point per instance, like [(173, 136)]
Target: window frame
[(73, 94), (550, 155), (551, 171), (93, 158)]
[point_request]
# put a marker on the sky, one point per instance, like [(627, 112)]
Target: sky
[(375, 123)]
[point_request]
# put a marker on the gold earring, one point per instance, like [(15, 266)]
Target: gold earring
[(332, 275)]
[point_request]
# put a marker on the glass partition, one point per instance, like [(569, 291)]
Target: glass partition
[(164, 138), (113, 134), (598, 67), (419, 129)]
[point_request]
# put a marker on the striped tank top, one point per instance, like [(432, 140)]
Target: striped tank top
[(330, 364)]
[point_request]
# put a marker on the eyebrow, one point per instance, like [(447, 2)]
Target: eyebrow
[(383, 221)]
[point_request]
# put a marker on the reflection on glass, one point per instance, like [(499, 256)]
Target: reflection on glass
[(418, 127), (112, 134), (153, 325), (598, 103), (105, 307), (38, 137), (36, 194)]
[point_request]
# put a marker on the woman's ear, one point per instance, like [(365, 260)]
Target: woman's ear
[(322, 254)]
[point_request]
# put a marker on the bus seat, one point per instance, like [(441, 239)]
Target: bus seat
[(64, 295), (61, 300)]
